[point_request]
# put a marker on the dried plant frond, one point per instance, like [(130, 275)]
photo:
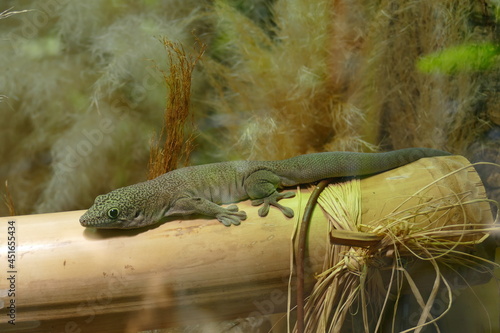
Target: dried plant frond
[(171, 147), (9, 12), (359, 280), (9, 202)]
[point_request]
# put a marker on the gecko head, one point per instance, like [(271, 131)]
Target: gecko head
[(121, 208)]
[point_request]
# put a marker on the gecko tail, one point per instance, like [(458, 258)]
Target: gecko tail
[(313, 167)]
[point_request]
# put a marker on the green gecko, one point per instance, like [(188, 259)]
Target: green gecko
[(201, 189)]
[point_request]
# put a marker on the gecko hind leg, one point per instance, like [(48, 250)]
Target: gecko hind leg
[(261, 188), (272, 200)]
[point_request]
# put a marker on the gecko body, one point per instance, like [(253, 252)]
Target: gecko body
[(201, 189)]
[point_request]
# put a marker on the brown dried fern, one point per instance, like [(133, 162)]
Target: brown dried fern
[(171, 147)]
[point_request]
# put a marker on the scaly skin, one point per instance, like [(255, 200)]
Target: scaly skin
[(201, 189)]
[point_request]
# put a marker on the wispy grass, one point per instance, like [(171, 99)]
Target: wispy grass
[(276, 95)]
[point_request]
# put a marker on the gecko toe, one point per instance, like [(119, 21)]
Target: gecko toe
[(287, 211), (264, 210), (227, 220), (231, 215)]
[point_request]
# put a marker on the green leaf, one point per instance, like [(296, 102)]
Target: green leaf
[(461, 58)]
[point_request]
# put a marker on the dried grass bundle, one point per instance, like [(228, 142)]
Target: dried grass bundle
[(363, 278)]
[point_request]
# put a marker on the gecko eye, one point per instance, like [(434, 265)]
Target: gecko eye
[(113, 213)]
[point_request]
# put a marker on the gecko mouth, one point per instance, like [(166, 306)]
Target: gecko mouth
[(87, 221), (93, 224)]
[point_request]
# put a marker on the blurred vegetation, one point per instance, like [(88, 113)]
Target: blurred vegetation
[(279, 78), (465, 57)]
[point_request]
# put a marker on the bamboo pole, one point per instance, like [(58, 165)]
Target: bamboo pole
[(86, 280), (70, 279)]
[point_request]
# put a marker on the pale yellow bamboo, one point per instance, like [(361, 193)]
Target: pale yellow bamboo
[(175, 273), (445, 188), (72, 279)]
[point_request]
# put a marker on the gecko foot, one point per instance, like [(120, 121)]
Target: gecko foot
[(231, 215), (272, 200)]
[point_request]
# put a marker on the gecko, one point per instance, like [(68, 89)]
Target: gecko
[(201, 189)]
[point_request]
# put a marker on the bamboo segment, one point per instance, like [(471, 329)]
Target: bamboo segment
[(70, 279), (81, 280), (437, 192)]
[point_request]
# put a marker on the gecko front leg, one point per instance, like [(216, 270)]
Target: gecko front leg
[(197, 205)]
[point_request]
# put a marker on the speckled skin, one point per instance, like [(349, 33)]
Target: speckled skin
[(200, 189)]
